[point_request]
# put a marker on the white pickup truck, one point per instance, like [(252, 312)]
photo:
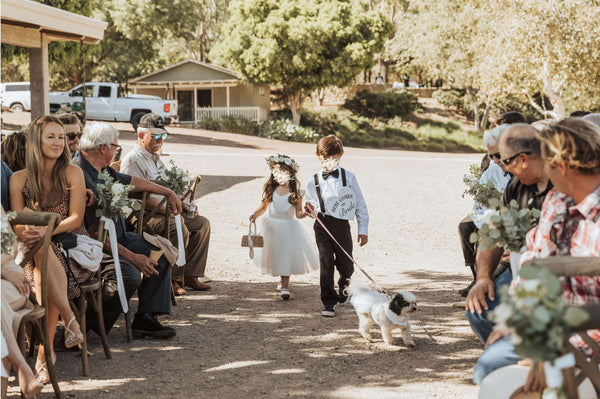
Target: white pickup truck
[(109, 102)]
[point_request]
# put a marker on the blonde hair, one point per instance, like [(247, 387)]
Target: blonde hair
[(34, 162), (573, 141)]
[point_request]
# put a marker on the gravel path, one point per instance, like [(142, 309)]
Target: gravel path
[(241, 340)]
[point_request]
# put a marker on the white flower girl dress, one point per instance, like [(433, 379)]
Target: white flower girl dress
[(287, 248)]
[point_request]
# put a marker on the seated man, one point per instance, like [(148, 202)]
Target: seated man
[(520, 152), (495, 173), (569, 223), (98, 146), (144, 162), (73, 130)]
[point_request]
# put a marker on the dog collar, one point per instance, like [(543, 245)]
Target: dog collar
[(396, 319)]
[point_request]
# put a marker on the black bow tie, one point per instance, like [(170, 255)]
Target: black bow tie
[(335, 173)]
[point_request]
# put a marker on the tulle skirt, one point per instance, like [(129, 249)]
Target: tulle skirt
[(287, 248)]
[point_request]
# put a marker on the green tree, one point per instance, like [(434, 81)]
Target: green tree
[(301, 45)]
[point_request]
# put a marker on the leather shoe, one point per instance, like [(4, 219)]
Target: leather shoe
[(178, 290), (193, 283), (147, 325)]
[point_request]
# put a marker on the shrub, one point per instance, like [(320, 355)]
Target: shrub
[(386, 105), (285, 129), (232, 124)]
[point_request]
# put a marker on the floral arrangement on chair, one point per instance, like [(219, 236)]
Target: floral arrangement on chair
[(177, 179), (538, 321), (113, 198), (481, 193), (505, 226), (8, 236)]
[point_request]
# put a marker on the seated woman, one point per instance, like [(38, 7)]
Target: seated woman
[(15, 290), (50, 184)]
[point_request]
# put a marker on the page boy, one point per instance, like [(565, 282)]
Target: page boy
[(333, 193)]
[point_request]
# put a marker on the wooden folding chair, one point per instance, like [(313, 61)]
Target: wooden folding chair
[(585, 367), (40, 311)]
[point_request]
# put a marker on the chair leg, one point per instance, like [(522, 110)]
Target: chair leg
[(173, 300), (101, 327), (82, 301), (21, 339), (47, 351), (128, 326)]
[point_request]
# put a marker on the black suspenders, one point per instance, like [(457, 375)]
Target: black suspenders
[(316, 178)]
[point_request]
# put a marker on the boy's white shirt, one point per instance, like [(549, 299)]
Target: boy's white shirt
[(330, 188)]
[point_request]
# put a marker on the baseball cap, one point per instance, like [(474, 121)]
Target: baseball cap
[(153, 122)]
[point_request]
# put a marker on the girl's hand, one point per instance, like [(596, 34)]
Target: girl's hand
[(252, 217)]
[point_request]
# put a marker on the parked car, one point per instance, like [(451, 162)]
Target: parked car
[(16, 96), (109, 102)]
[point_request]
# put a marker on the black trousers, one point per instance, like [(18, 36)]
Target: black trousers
[(331, 257), (465, 228), (154, 292)]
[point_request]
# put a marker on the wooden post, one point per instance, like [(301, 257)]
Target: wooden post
[(82, 59), (39, 78)]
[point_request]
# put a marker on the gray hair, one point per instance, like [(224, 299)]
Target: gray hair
[(522, 137), (493, 136), (97, 134), (593, 118), (142, 130)]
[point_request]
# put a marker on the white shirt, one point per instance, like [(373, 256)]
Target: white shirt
[(330, 187), (499, 178), (141, 163)]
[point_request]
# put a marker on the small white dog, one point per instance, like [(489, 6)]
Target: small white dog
[(373, 307)]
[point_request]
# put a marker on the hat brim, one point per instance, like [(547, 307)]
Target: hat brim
[(157, 130)]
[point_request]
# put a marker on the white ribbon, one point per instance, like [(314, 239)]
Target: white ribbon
[(553, 372), (112, 235), (250, 243), (180, 245)]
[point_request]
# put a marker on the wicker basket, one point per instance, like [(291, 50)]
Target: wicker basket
[(257, 241)]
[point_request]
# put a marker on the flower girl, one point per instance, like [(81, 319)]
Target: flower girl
[(287, 249)]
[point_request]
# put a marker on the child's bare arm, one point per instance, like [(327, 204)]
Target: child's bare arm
[(261, 209), (299, 211)]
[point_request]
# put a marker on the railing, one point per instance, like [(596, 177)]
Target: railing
[(251, 113)]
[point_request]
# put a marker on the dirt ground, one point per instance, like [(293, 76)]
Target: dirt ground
[(241, 340)]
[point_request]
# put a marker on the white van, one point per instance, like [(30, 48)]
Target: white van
[(16, 96)]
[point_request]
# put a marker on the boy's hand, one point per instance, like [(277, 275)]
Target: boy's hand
[(362, 239)]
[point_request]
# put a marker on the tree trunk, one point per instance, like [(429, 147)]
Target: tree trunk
[(558, 103), (295, 101)]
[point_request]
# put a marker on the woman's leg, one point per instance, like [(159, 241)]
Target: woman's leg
[(58, 301), (285, 282), (27, 382)]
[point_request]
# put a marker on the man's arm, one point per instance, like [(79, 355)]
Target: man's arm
[(486, 261), (146, 185)]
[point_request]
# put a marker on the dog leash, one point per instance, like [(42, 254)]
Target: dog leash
[(377, 286)]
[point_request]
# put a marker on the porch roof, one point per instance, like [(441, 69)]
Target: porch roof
[(24, 20)]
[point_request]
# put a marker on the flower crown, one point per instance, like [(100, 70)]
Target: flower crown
[(284, 159)]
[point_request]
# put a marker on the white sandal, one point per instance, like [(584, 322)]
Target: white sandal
[(72, 338), (285, 294)]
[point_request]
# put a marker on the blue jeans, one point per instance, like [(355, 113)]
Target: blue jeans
[(479, 322), (501, 353)]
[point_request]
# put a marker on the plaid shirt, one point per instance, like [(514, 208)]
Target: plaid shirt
[(542, 241)]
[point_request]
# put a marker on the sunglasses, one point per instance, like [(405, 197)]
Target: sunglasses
[(72, 136), (507, 161), (159, 136), (495, 155), (118, 147)]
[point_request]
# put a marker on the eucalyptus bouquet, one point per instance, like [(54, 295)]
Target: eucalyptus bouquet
[(8, 236), (481, 193), (505, 226), (176, 179), (535, 315), (113, 197)]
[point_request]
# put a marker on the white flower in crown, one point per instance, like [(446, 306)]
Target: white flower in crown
[(280, 158)]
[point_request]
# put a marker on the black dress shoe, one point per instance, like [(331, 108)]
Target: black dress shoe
[(465, 291), (147, 325)]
